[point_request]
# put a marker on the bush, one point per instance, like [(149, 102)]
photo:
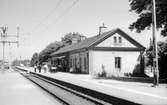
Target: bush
[(103, 73)]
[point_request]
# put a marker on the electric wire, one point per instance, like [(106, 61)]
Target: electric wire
[(47, 16), (68, 9)]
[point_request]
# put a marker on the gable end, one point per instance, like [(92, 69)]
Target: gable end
[(121, 33), (126, 36)]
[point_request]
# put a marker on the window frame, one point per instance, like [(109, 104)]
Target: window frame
[(120, 39), (115, 39), (118, 62)]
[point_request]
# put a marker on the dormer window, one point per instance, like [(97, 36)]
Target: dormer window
[(120, 40)]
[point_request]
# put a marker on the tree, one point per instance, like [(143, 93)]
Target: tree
[(17, 62), (45, 54), (26, 62), (162, 52), (162, 58), (74, 37), (144, 9), (34, 59)]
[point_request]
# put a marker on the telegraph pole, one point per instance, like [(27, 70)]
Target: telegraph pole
[(155, 49), (4, 41)]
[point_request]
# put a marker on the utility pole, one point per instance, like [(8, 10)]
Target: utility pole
[(4, 41), (155, 49)]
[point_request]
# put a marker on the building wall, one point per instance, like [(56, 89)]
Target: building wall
[(78, 62), (107, 58), (90, 61)]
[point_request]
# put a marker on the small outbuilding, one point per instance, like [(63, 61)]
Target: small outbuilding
[(113, 52)]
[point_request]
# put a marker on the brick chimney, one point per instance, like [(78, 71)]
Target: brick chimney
[(102, 29)]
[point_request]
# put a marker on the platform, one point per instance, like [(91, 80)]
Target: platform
[(17, 90)]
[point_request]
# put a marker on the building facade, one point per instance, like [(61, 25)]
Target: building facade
[(113, 52)]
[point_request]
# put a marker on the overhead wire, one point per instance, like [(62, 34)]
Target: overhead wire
[(46, 17), (68, 9)]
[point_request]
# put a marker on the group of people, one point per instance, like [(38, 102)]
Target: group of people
[(39, 68)]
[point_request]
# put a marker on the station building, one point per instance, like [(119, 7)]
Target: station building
[(113, 52)]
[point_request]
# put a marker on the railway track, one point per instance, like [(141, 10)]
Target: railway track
[(70, 94), (66, 95)]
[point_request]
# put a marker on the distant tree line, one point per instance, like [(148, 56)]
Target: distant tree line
[(25, 62)]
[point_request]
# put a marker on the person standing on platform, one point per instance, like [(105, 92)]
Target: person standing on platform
[(45, 67), (35, 68), (39, 68)]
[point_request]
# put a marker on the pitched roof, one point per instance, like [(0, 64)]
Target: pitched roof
[(89, 42)]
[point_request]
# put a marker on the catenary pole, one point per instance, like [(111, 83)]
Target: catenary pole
[(155, 49), (3, 55), (3, 37), (4, 40)]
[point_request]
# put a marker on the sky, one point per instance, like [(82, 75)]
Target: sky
[(44, 21)]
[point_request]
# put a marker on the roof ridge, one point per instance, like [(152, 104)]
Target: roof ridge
[(85, 43)]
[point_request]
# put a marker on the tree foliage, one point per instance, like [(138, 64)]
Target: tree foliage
[(17, 62), (69, 38), (45, 54), (144, 9), (162, 58), (34, 59)]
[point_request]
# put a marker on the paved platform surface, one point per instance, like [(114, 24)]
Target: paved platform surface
[(17, 90), (142, 93)]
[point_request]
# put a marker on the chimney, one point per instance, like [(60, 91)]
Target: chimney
[(74, 40), (102, 29)]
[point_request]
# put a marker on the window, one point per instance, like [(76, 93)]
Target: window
[(73, 64), (85, 65), (58, 61), (115, 39), (118, 62), (70, 62), (80, 63), (120, 40)]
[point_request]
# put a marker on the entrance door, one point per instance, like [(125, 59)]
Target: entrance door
[(118, 63)]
